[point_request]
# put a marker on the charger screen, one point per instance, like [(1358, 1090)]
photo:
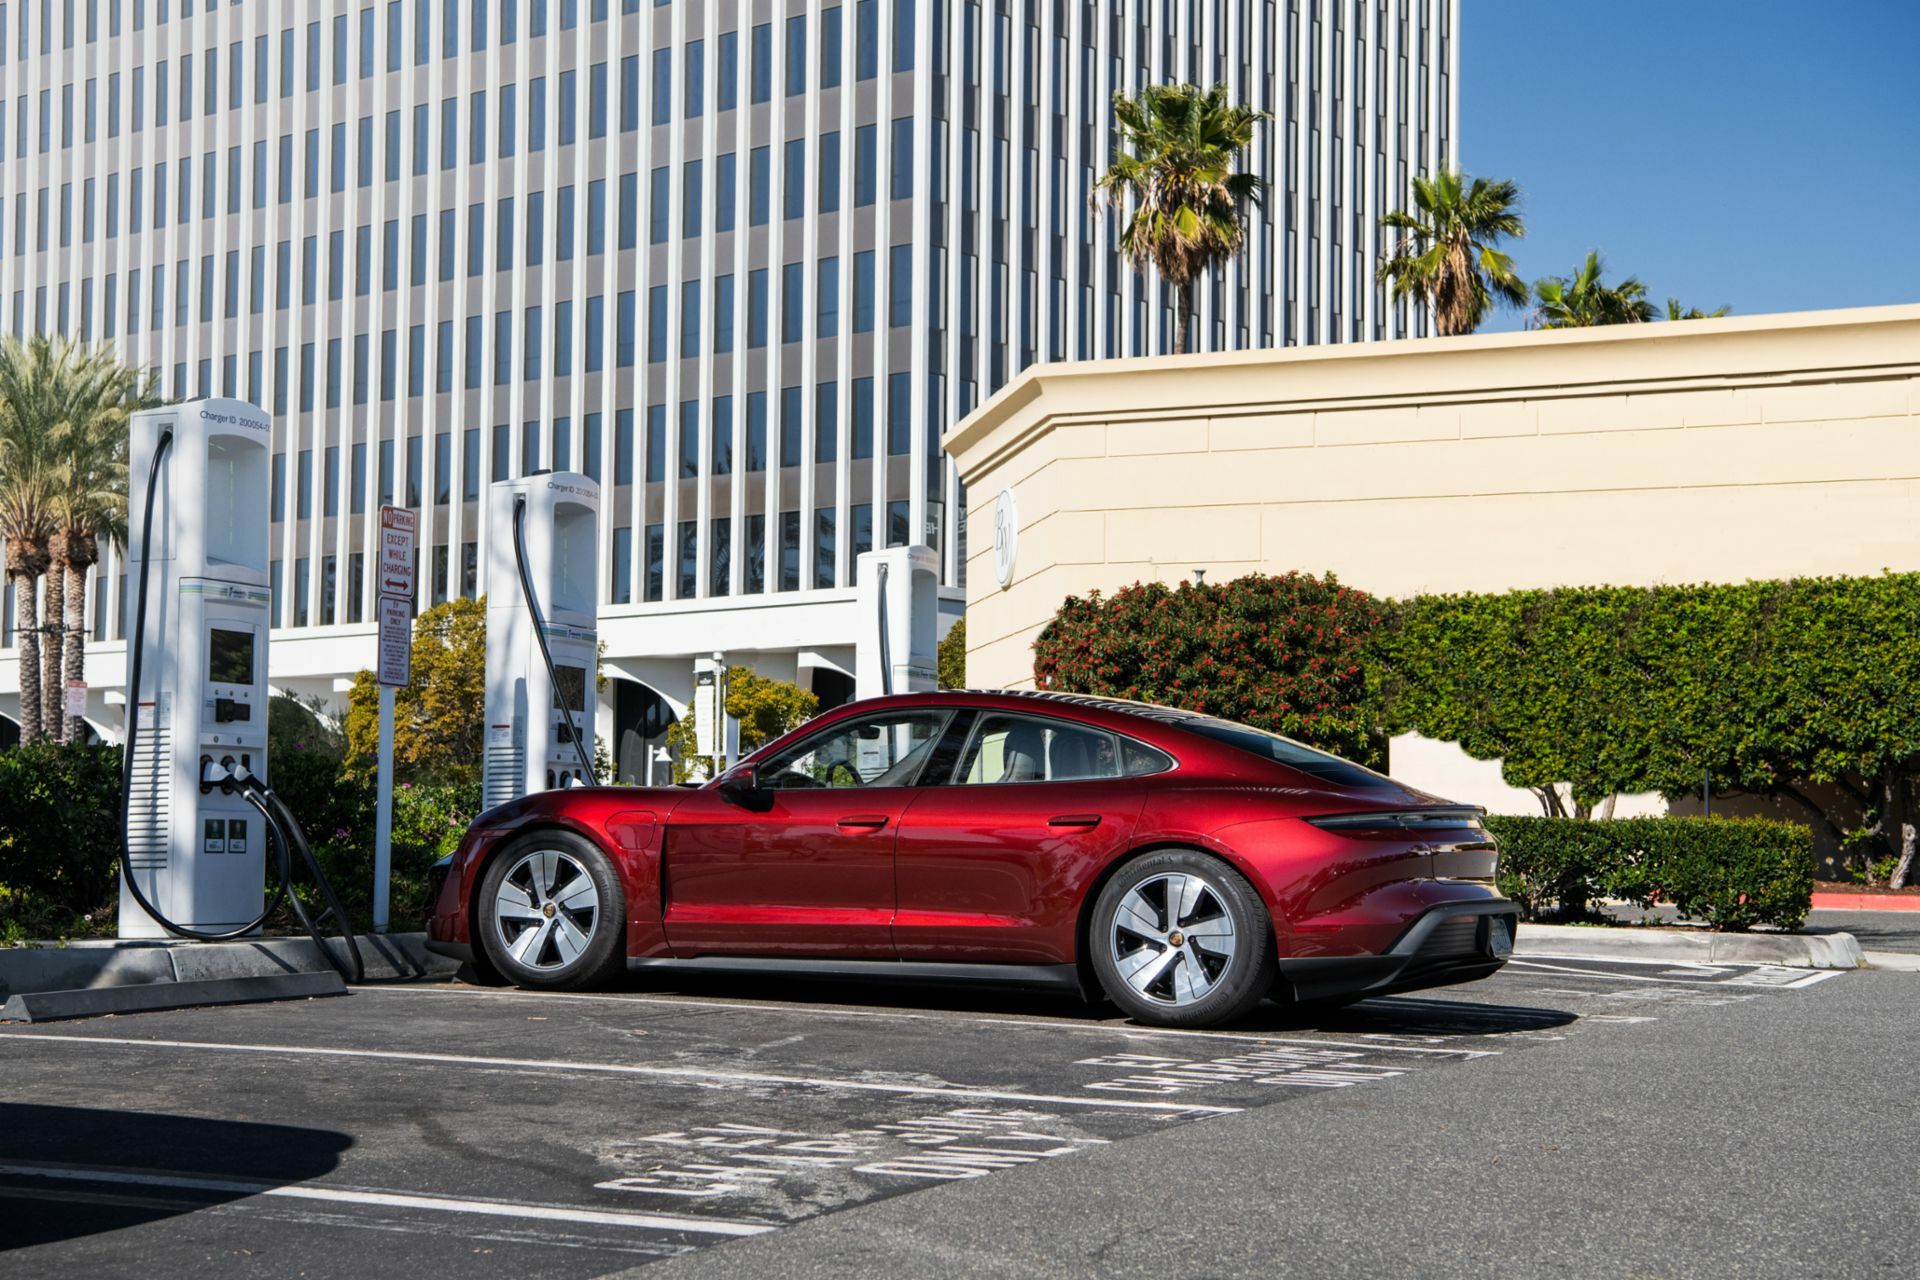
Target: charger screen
[(229, 657), (570, 693)]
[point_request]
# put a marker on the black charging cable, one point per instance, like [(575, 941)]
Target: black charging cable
[(540, 635)]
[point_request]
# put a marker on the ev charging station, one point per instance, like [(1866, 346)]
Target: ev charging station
[(898, 648), (196, 852), (542, 634)]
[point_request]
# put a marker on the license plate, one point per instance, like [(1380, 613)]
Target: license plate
[(1499, 937)]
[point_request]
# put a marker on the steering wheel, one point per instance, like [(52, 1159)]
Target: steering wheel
[(851, 772)]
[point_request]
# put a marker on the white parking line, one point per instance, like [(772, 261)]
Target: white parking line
[(1811, 975), (1074, 1028), (615, 1068), (391, 1199)]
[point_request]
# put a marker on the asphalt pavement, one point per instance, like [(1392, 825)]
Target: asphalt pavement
[(1566, 1118), (1876, 930)]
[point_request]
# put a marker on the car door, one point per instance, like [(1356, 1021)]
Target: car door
[(992, 863), (803, 864)]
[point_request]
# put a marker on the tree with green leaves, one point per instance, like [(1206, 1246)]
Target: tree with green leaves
[(1176, 164), (1677, 312), (950, 660), (1799, 690), (64, 412), (90, 503), (1584, 299), (765, 706), (439, 719), (1447, 256), (30, 481)]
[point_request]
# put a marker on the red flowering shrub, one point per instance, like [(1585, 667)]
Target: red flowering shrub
[(1286, 654)]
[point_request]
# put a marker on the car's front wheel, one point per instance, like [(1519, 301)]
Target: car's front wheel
[(552, 913), (1180, 939)]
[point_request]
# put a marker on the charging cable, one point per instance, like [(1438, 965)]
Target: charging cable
[(540, 635)]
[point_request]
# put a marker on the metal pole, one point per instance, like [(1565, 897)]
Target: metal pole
[(383, 814)]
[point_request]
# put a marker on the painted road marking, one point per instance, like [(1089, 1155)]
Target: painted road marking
[(1074, 1028), (1306, 1068), (613, 1068), (390, 1199), (736, 1158), (1772, 976)]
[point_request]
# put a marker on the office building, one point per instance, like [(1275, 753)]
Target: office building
[(742, 261)]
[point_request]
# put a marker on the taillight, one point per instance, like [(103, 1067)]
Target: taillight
[(1463, 822)]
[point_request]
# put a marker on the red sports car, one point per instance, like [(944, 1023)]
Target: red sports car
[(1184, 866)]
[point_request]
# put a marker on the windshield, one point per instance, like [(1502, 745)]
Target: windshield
[(1271, 746)]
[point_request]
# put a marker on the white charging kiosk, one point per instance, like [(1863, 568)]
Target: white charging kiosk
[(529, 746), (199, 852), (897, 650)]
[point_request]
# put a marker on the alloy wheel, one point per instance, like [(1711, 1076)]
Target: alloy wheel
[(1172, 938), (546, 910)]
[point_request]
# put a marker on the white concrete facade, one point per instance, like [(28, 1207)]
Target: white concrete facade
[(743, 261), (1725, 450)]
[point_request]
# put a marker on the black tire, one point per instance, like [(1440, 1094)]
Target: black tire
[(1134, 925), (560, 883)]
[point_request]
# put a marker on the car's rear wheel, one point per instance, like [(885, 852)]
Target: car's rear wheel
[(1180, 939), (552, 913)]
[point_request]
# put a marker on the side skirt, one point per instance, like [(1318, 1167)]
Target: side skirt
[(1046, 977)]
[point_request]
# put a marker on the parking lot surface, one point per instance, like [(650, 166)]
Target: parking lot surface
[(450, 1129)]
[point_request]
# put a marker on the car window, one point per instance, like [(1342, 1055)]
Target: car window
[(1295, 755), (865, 751), (1012, 748)]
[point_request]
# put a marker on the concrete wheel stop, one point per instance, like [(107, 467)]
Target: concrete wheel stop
[(88, 979)]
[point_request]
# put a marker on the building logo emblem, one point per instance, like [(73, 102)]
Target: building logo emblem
[(1006, 537)]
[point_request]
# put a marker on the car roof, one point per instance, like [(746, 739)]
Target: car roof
[(1199, 755), (1117, 714)]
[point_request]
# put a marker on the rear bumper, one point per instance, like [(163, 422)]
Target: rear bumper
[(1449, 943)]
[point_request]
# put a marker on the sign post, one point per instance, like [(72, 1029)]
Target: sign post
[(393, 606)]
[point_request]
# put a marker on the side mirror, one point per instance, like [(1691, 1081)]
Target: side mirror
[(740, 786)]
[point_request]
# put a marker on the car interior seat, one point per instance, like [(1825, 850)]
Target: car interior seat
[(1022, 754), (1070, 756)]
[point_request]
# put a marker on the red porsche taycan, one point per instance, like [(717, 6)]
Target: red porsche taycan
[(1183, 866)]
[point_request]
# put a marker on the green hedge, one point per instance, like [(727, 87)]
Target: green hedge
[(1286, 653), (1732, 873), (60, 835), (59, 825)]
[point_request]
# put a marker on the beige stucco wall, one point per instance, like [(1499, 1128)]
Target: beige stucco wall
[(1710, 450)]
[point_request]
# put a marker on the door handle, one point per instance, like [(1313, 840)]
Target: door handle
[(1084, 820), (871, 821)]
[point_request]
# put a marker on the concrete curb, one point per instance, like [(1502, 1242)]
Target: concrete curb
[(1866, 902), (1898, 961), (1796, 950), (393, 957)]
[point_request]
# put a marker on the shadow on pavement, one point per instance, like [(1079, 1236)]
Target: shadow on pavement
[(67, 1172), (1404, 1015)]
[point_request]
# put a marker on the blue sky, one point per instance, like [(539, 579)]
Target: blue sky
[(1763, 154)]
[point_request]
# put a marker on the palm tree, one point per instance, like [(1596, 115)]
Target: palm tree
[(1178, 148), (29, 480), (1676, 312), (1446, 256), (1583, 299), (91, 500)]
